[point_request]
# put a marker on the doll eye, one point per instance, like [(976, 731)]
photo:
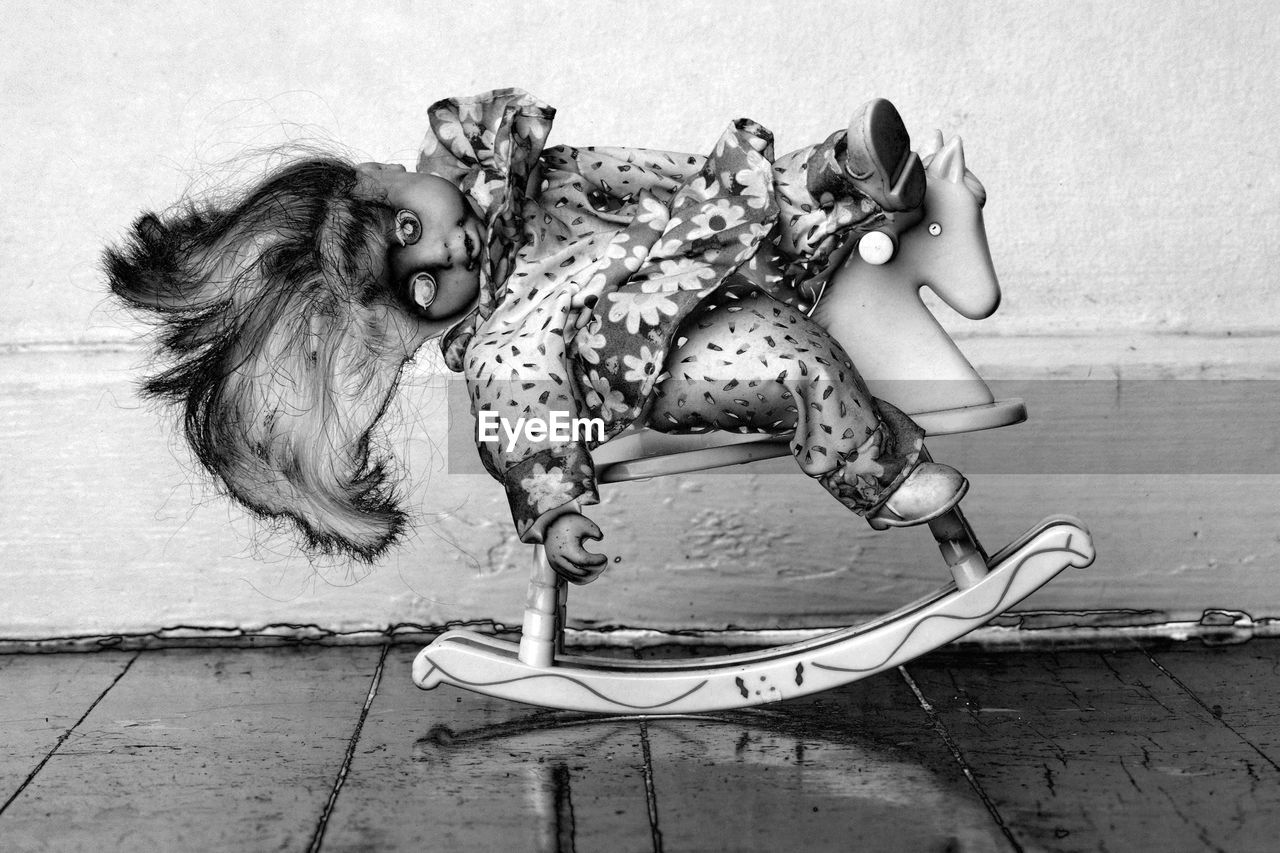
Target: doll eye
[(935, 228), (408, 227), (422, 291)]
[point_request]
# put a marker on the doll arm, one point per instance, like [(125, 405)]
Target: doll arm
[(547, 484), (530, 428), (538, 490)]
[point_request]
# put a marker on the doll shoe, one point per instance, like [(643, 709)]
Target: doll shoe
[(880, 161), (929, 490)]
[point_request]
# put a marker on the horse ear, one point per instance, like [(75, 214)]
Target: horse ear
[(931, 146), (949, 162)]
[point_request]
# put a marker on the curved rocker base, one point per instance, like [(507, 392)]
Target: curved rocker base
[(492, 667)]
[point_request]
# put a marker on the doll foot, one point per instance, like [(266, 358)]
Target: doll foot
[(929, 490), (880, 160)]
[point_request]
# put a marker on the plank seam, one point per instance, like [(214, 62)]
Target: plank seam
[(318, 838), (650, 793), (941, 730), (67, 734), (1217, 716)]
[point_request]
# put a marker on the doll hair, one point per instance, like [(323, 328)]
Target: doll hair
[(282, 347)]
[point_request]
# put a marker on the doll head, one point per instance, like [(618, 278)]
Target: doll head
[(285, 325), (435, 243)]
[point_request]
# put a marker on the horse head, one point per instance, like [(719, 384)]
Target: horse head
[(947, 251), (872, 303)]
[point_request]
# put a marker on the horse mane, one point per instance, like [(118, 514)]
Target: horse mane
[(281, 349)]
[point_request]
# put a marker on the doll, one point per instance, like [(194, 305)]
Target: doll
[(636, 287)]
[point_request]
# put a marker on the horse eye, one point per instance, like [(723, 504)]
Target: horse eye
[(935, 228), (408, 227)]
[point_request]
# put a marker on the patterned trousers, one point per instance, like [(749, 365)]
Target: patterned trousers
[(745, 362)]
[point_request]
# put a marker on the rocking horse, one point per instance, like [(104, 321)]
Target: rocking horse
[(871, 304)]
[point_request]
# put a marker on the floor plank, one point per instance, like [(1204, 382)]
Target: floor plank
[(200, 750), (1101, 751), (450, 770), (1170, 749), (1239, 685), (856, 768), (43, 698)]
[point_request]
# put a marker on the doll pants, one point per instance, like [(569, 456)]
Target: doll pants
[(745, 362)]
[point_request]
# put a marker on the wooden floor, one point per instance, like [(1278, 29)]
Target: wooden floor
[(1164, 748)]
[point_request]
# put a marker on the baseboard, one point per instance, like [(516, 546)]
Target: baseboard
[(1016, 631)]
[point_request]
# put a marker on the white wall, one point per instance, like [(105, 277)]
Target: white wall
[(1126, 149), (1126, 146)]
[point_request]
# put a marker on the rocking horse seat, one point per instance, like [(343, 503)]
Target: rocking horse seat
[(639, 454)]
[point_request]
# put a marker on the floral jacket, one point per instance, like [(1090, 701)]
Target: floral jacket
[(594, 258)]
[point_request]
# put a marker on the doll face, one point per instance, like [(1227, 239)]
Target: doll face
[(436, 239)]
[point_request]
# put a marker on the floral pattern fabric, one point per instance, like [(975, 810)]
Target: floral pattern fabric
[(595, 257), (746, 363)]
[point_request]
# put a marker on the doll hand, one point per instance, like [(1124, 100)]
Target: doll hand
[(563, 544)]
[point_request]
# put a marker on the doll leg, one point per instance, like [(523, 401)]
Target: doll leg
[(747, 363)]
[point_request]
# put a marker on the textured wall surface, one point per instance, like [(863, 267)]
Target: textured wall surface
[(1125, 147), (1132, 215)]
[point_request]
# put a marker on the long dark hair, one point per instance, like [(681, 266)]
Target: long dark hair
[(282, 346)]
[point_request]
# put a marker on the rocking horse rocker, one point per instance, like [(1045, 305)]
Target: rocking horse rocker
[(871, 305)]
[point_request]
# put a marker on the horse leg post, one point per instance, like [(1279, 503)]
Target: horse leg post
[(958, 543), (542, 633), (959, 547)]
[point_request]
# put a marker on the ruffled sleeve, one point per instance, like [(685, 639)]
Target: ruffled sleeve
[(489, 146)]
